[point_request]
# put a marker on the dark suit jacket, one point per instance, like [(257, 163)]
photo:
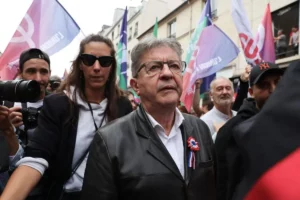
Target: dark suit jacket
[(230, 169), (128, 161), (55, 137)]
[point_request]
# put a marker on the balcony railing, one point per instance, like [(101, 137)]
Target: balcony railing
[(286, 52)]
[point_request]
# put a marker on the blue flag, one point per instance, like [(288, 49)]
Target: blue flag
[(188, 90), (213, 55), (207, 80), (122, 54)]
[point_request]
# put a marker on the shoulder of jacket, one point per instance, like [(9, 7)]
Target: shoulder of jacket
[(57, 98), (113, 129), (122, 99)]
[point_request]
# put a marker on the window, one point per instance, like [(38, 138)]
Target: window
[(128, 58), (172, 29), (130, 33), (214, 8), (286, 27), (118, 30), (136, 28), (112, 35)]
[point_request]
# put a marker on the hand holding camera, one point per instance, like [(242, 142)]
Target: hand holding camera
[(5, 123), (16, 117)]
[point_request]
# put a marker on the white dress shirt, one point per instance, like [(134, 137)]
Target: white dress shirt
[(173, 142), (214, 116)]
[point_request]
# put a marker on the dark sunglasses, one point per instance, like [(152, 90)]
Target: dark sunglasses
[(89, 60)]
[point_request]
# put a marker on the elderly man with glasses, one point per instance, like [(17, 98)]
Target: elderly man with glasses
[(156, 152)]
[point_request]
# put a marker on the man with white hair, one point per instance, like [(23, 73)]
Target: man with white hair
[(221, 92)]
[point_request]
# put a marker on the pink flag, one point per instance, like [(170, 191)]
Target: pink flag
[(47, 26), (265, 38), (188, 89)]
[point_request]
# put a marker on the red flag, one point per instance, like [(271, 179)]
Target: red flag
[(188, 92), (279, 182), (265, 38), (270, 147)]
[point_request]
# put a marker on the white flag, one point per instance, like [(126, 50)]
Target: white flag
[(243, 27)]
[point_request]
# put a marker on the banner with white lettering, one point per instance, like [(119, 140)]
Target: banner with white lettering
[(216, 51), (243, 27), (46, 25)]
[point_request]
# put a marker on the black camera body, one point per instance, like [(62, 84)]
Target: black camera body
[(30, 117), (54, 84)]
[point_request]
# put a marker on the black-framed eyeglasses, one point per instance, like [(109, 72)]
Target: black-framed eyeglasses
[(89, 60), (155, 67)]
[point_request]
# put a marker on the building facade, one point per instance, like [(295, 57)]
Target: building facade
[(181, 22), (285, 15), (139, 19)]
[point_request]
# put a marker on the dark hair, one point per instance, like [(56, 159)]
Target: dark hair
[(207, 101), (148, 44), (55, 78), (127, 93), (76, 78), (183, 109), (31, 54)]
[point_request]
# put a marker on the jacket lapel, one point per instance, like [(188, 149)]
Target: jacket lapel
[(186, 133), (155, 146)]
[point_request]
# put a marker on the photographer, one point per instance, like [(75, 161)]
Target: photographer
[(21, 118), (8, 143)]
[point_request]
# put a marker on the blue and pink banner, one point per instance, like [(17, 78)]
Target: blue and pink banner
[(213, 55), (188, 88), (46, 25)]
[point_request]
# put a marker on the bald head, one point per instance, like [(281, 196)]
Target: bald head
[(220, 79), (221, 91)]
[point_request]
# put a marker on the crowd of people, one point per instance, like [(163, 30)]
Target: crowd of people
[(287, 45), (91, 140)]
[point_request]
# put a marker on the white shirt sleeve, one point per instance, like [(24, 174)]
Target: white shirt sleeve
[(39, 164), (15, 158)]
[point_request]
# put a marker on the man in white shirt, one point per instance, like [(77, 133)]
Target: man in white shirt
[(156, 152), (221, 91), (294, 40)]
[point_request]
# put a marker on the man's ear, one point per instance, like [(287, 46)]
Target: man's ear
[(250, 90), (210, 95), (19, 73), (135, 86)]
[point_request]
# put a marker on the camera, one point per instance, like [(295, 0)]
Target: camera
[(54, 84), (30, 117), (19, 91)]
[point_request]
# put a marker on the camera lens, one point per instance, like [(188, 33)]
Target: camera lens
[(20, 91)]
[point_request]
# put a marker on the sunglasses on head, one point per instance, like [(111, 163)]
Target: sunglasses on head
[(89, 60)]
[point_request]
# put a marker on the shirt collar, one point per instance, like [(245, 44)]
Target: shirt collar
[(178, 119), (219, 113)]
